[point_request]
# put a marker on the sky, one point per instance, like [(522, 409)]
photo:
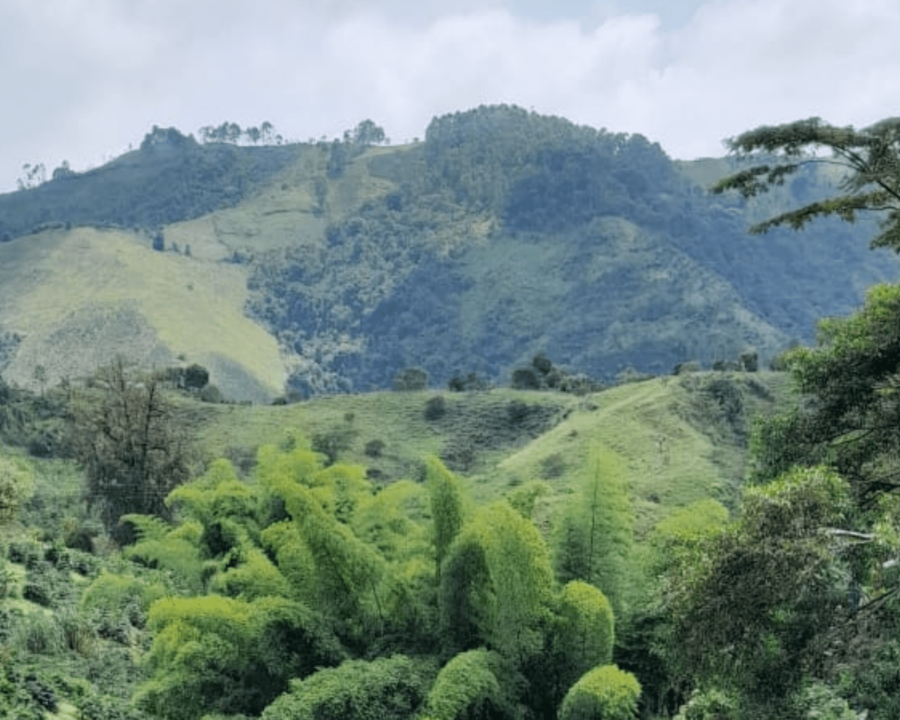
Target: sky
[(82, 80)]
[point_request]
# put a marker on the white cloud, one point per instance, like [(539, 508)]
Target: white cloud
[(83, 78)]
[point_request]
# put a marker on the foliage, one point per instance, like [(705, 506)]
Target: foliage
[(16, 486), (388, 688), (374, 448), (213, 653), (117, 602), (594, 535), (348, 571), (496, 584), (817, 701), (172, 178), (172, 549), (26, 693), (435, 408), (708, 705), (850, 387), (870, 156), (470, 383), (221, 503), (524, 498), (395, 522), (467, 687), (584, 632), (447, 510), (465, 594), (872, 675), (604, 692), (130, 446), (407, 275), (411, 379), (761, 592), (543, 375), (38, 634)]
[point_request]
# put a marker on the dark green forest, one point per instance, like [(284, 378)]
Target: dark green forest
[(554, 193)]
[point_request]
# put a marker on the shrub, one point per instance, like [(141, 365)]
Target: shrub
[(553, 466), (40, 587), (709, 705), (726, 366), (411, 379), (77, 632), (384, 689), (16, 486), (332, 442), (196, 377), (686, 367), (212, 394), (38, 634), (632, 375), (472, 381), (41, 693), (525, 379), (517, 411), (542, 364), (605, 692), (374, 448), (468, 687), (584, 633), (435, 408), (25, 552), (749, 360), (107, 707)]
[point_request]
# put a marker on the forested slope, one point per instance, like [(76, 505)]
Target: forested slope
[(503, 234), (292, 582)]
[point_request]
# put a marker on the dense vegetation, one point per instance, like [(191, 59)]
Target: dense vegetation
[(299, 585), (169, 178), (449, 271), (304, 592), (502, 235)]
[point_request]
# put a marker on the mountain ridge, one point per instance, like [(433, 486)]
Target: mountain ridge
[(503, 234)]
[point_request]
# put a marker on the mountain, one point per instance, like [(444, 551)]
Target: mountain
[(330, 267)]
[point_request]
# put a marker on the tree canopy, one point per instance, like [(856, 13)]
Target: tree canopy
[(869, 157)]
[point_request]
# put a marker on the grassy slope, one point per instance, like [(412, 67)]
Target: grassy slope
[(293, 210), (395, 418), (81, 297), (674, 446)]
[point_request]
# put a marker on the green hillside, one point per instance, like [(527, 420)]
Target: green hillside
[(71, 602), (682, 438), (79, 298), (503, 234), (212, 507)]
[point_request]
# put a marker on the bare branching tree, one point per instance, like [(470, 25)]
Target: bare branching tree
[(131, 448)]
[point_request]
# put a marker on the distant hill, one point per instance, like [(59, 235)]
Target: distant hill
[(329, 267)]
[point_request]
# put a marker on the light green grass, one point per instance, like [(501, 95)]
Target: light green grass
[(673, 454), (395, 418), (81, 297), (669, 460)]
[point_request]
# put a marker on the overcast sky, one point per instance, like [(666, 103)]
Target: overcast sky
[(80, 80)]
